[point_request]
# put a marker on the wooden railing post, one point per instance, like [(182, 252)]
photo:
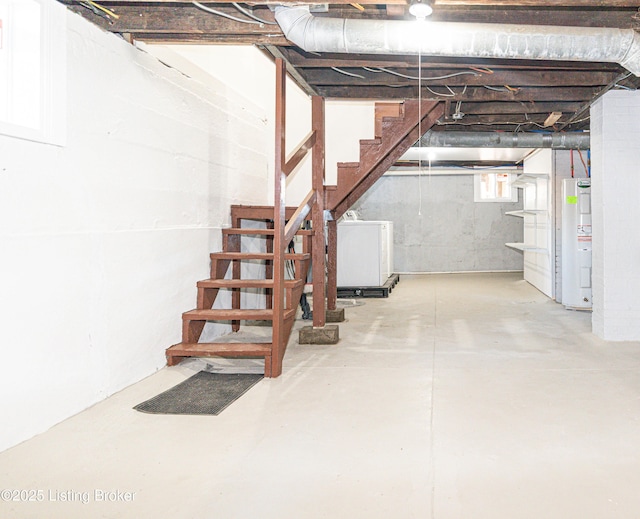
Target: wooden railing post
[(317, 212), (279, 207)]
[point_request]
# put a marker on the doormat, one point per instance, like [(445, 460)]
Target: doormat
[(202, 394)]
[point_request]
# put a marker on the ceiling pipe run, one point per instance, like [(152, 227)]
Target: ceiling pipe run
[(556, 141), (468, 40)]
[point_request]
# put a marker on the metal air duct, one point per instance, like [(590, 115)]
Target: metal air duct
[(558, 141), (469, 40)]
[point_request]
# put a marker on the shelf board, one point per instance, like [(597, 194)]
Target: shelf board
[(522, 212), (526, 248), (527, 179)]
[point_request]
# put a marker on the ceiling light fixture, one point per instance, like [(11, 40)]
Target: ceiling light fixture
[(420, 9)]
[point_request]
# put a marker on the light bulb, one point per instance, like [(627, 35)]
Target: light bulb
[(420, 9)]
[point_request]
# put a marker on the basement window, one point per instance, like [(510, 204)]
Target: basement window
[(32, 70), (494, 187)]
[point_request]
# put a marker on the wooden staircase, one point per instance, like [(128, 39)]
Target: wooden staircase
[(224, 278), (397, 128)]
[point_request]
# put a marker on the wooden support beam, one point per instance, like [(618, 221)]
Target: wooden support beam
[(299, 58), (300, 153), (179, 19), (476, 94), (516, 78), (317, 181), (278, 52), (473, 3), (298, 217), (530, 107), (332, 264)]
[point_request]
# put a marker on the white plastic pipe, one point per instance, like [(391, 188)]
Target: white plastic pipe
[(469, 40)]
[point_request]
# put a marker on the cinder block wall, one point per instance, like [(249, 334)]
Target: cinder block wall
[(453, 233), (104, 239), (615, 133)]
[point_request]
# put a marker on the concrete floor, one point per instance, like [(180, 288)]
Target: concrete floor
[(460, 396)]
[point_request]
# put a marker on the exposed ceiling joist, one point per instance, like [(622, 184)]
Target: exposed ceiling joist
[(437, 3), (502, 94)]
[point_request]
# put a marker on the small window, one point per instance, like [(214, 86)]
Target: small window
[(32, 70), (494, 187)]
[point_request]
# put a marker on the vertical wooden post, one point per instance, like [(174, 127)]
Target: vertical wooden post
[(332, 264), (279, 207), (317, 212), (268, 269), (235, 245)]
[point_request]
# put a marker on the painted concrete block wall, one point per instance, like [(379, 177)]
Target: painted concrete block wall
[(615, 133), (348, 122), (248, 71), (104, 239), (453, 234)]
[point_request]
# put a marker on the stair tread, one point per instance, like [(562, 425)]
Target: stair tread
[(348, 165), (371, 142), (245, 283), (256, 255), (213, 348), (235, 314), (260, 232)]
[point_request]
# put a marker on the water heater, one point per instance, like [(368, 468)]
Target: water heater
[(576, 243)]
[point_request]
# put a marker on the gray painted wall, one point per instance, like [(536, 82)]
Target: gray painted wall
[(454, 233)]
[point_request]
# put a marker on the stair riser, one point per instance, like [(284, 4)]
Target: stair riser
[(219, 268), (192, 330), (206, 297)]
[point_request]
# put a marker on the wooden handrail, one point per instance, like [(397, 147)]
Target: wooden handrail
[(298, 217), (301, 151)]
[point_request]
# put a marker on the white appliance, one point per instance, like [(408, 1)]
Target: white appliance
[(576, 243), (365, 253)]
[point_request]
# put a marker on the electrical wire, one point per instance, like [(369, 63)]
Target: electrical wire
[(503, 123), (496, 89), (99, 9), (482, 70), (225, 15), (572, 166), (440, 94), (586, 170), (248, 13), (447, 76), (350, 74)]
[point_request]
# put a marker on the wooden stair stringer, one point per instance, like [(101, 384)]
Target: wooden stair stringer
[(296, 294)]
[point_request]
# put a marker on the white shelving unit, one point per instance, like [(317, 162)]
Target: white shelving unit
[(537, 214), (532, 213)]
